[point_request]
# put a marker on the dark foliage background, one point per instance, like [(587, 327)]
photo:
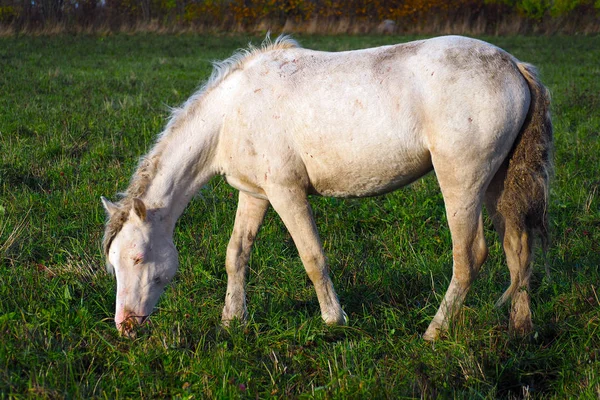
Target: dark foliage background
[(322, 16)]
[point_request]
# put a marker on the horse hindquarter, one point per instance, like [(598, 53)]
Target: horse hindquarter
[(476, 119)]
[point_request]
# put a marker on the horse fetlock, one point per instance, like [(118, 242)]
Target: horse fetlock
[(227, 318)]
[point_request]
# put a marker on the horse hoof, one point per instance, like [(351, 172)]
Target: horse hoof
[(520, 327), (432, 333), (233, 321), (340, 320)]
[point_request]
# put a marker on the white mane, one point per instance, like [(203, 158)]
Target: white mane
[(222, 69)]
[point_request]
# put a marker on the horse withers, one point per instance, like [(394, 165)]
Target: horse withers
[(281, 122)]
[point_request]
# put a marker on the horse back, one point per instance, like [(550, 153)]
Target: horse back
[(365, 122)]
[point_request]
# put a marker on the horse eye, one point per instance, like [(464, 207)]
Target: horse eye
[(157, 280)]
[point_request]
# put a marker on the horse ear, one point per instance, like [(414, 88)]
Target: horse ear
[(109, 206), (139, 209)]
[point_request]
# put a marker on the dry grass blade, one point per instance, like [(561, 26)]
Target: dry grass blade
[(13, 236)]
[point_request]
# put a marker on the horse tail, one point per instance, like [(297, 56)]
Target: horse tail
[(523, 202)]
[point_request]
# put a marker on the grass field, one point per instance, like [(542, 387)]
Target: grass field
[(76, 112)]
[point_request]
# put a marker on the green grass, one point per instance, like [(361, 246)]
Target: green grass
[(76, 112)]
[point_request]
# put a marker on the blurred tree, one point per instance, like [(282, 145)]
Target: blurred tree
[(245, 13)]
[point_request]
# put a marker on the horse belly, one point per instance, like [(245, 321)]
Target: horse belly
[(341, 171)]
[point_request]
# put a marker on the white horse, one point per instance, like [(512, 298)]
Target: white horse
[(281, 122)]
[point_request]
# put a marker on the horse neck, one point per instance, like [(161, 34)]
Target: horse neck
[(183, 160)]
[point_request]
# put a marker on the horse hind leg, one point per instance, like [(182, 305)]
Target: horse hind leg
[(523, 198), (517, 244), (469, 251), (463, 196)]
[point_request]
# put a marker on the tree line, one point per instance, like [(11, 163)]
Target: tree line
[(400, 15)]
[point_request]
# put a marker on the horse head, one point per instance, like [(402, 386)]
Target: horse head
[(143, 257)]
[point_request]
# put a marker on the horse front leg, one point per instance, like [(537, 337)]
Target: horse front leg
[(292, 206), (248, 219)]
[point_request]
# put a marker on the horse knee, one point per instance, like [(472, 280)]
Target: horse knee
[(232, 260), (238, 254), (315, 265)]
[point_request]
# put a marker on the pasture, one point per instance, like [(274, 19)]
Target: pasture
[(76, 113)]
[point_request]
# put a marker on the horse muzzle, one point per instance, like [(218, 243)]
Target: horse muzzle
[(128, 326)]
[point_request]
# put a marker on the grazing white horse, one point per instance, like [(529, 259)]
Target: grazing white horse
[(281, 122)]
